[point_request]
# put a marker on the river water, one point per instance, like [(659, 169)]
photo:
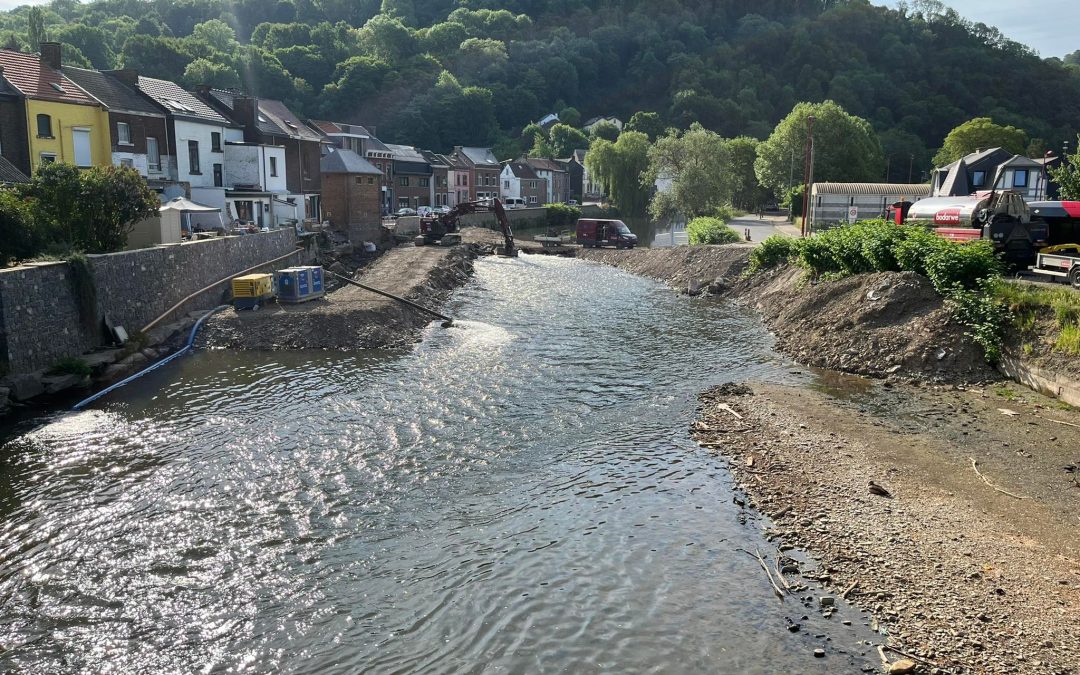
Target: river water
[(517, 494)]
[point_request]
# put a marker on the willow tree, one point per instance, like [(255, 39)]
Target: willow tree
[(619, 168), (695, 166)]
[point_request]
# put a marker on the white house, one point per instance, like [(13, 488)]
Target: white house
[(197, 141), (518, 180), (593, 121)]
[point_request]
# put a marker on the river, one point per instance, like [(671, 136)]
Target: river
[(516, 494)]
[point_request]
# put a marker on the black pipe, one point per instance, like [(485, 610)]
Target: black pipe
[(447, 321)]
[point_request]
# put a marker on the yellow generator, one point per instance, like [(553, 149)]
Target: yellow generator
[(252, 290)]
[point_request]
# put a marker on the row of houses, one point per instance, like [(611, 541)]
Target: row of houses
[(250, 157)]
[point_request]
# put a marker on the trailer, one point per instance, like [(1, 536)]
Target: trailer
[(1062, 262)]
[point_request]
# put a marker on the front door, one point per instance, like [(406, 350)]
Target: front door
[(80, 140)]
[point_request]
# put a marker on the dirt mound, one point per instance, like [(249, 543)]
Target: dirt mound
[(689, 269), (350, 317), (887, 323)]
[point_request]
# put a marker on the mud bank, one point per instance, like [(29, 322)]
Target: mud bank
[(349, 317), (970, 564)]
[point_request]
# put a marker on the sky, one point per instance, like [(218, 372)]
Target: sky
[(1047, 26)]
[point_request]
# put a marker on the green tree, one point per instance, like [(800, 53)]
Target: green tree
[(696, 165), (570, 115), (565, 139), (746, 192), (604, 130), (387, 38), (1067, 176), (90, 210), (619, 167), (19, 237), (35, 21), (845, 148), (161, 57), (211, 73), (217, 35), (977, 133), (648, 123)]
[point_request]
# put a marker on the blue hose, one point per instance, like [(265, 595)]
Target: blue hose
[(184, 350)]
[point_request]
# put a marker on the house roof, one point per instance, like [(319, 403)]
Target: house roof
[(522, 170), (346, 161), (579, 155), (112, 92), (453, 161), (480, 156), (30, 77), (406, 153), (9, 173), (884, 189), (274, 117), (1021, 161), (435, 160), (178, 102), (540, 164)]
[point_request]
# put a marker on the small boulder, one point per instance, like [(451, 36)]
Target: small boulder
[(902, 667), (24, 386), (56, 383)]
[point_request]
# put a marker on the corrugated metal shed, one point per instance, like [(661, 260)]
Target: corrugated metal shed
[(898, 189)]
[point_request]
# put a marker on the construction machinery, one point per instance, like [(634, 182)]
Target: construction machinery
[(443, 229)]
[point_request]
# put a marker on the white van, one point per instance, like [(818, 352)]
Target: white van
[(515, 203)]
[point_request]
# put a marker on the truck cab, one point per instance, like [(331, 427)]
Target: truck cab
[(597, 232)]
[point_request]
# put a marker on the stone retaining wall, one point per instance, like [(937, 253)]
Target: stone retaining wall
[(40, 321)]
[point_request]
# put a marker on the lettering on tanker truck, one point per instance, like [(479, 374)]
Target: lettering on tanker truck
[(947, 217)]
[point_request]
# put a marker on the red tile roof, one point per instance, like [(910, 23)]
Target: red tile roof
[(34, 79)]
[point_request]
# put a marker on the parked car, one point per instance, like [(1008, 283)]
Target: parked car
[(424, 211), (594, 233), (441, 209), (572, 202), (405, 212)]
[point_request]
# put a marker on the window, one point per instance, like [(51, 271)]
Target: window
[(273, 166), (47, 158), (425, 182), (80, 141), (978, 178), (404, 182), (403, 202), (44, 127), (193, 157), (1020, 178), (129, 163), (371, 180), (532, 200), (465, 179), (215, 141), (123, 133), (219, 176), (153, 155)]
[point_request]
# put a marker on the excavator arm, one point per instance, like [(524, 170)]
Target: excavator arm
[(447, 223)]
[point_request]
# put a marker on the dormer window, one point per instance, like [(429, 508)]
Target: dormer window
[(978, 178), (44, 126)]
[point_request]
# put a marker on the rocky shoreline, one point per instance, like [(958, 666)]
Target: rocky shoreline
[(951, 522)]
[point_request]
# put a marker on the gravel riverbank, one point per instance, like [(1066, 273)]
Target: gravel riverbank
[(971, 563)]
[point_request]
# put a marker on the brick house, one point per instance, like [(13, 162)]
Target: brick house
[(484, 171), (352, 195), (363, 142), (575, 176), (412, 177), (459, 178)]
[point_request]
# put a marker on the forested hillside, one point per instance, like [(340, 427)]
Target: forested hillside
[(436, 73)]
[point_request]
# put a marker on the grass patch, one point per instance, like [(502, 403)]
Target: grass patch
[(1005, 392), (1068, 341), (70, 365), (708, 230)]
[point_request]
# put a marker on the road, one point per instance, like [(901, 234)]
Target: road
[(762, 228)]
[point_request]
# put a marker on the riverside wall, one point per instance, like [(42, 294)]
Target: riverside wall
[(41, 320)]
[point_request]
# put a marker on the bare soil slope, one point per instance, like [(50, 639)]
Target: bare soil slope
[(350, 317)]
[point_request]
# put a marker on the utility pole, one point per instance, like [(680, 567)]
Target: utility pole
[(791, 182), (910, 166), (808, 170)]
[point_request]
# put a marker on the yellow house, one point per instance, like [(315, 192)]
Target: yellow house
[(63, 123)]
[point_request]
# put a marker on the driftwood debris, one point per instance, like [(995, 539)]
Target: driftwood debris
[(975, 465)]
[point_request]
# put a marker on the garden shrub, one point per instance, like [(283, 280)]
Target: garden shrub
[(562, 215), (962, 265), (773, 251), (708, 230)]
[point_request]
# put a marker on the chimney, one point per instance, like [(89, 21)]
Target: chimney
[(50, 54), (246, 111), (128, 76)]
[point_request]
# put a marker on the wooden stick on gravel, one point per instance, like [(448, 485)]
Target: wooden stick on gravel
[(779, 574), (1051, 419), (849, 589), (975, 465), (776, 589)]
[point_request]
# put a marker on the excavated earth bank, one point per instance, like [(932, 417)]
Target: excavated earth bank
[(971, 564)]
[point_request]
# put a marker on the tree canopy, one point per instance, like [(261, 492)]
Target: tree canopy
[(621, 167), (976, 134), (915, 71)]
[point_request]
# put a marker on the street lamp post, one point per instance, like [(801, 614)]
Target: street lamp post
[(808, 170)]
